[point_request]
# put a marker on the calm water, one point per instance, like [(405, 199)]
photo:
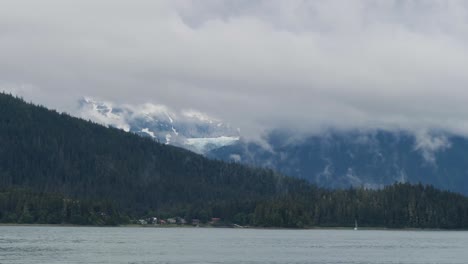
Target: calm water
[(205, 245)]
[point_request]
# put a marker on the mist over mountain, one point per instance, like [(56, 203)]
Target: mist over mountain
[(340, 159), (58, 169), (393, 70), (258, 64), (332, 158)]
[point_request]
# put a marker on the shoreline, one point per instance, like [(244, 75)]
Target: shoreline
[(240, 228)]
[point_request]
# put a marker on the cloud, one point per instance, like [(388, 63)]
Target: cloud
[(429, 144), (305, 65)]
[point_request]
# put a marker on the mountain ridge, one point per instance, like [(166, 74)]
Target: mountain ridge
[(371, 159), (333, 158), (55, 168)]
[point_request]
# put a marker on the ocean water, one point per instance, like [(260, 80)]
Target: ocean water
[(50, 244)]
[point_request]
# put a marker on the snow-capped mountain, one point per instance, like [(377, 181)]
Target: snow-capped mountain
[(332, 159), (190, 129)]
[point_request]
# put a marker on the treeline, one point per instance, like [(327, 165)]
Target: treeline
[(396, 206), (27, 207), (65, 167), (401, 205)]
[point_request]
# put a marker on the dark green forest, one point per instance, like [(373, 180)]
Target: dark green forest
[(55, 168), (27, 207)]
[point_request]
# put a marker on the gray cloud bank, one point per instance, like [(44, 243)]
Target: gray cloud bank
[(304, 65)]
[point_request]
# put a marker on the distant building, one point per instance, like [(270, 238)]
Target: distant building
[(142, 222), (171, 221), (215, 220), (153, 220), (162, 222), (195, 222), (181, 221)]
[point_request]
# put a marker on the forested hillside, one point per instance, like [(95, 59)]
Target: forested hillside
[(50, 152), (55, 168)]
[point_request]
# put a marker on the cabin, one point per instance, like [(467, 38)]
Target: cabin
[(153, 220), (215, 220), (181, 221)]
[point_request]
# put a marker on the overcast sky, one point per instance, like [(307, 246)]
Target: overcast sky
[(258, 64)]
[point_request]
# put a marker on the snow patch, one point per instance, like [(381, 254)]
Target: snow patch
[(235, 157), (170, 119), (168, 139), (175, 131), (202, 145), (147, 131), (352, 178), (327, 172), (102, 113)]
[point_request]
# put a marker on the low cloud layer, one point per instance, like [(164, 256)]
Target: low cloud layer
[(305, 65)]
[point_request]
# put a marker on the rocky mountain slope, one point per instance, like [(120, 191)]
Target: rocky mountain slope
[(189, 129), (334, 159), (361, 158)]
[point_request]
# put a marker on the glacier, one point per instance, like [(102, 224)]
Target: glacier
[(190, 129)]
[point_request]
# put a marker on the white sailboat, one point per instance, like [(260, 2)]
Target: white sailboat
[(355, 225)]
